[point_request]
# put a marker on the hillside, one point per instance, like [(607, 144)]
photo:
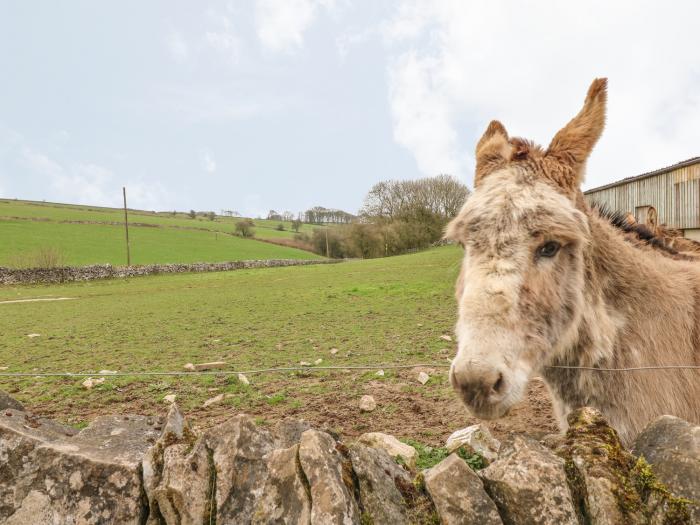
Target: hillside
[(91, 235)]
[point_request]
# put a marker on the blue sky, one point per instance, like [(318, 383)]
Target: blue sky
[(286, 104)]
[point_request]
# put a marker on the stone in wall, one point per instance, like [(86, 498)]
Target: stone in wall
[(107, 271), (136, 469)]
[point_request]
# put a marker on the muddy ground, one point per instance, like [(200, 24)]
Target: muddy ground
[(405, 408)]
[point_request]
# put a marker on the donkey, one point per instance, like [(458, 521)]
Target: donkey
[(548, 283)]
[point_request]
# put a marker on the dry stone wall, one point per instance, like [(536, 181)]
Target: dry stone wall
[(142, 470), (107, 271)]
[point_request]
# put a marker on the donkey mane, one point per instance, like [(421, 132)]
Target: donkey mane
[(640, 235)]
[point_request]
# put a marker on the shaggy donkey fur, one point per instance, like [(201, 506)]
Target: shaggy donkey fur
[(548, 281), (661, 238)]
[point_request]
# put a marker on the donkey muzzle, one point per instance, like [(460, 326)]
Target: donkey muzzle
[(480, 387)]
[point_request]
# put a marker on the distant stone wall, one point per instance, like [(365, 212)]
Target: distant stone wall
[(107, 271), (132, 469)]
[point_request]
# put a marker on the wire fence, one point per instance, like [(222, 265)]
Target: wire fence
[(386, 366)]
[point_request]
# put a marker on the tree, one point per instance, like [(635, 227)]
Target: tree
[(296, 225), (441, 196), (280, 227), (211, 215), (244, 228), (192, 214)]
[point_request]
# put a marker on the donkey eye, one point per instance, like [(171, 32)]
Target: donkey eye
[(548, 249)]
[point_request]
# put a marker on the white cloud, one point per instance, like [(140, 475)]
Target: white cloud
[(90, 183), (40, 163), (346, 41), (177, 46), (422, 115), (222, 37), (207, 103), (281, 24), (207, 161), (453, 66)]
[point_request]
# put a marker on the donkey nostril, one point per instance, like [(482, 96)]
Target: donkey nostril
[(498, 385)]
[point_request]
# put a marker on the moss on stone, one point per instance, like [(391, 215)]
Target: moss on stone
[(655, 493), (592, 449)]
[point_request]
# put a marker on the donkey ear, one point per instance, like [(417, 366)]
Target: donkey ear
[(492, 151), (572, 145)]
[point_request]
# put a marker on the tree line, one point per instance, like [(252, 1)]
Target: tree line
[(396, 217)]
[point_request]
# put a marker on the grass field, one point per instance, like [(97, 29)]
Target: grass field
[(391, 310), (85, 235)]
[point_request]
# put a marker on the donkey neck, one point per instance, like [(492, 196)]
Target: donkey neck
[(626, 286)]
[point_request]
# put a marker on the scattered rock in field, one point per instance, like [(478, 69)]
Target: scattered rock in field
[(391, 446), (107, 372), (476, 439), (304, 363), (170, 398), (420, 325), (189, 367), (278, 346), (444, 351), (672, 447), (243, 379), (216, 340), (90, 382), (423, 378), (209, 366), (318, 361), (32, 336), (446, 337), (4, 368), (380, 373), (367, 404), (334, 351), (214, 400), (528, 484), (459, 495)]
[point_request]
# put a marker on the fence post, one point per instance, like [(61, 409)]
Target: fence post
[(126, 228)]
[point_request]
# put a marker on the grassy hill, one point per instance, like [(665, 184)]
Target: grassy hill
[(390, 310), (89, 235)]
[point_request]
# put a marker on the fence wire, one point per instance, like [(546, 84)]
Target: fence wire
[(314, 369)]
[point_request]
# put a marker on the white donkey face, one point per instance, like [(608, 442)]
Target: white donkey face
[(519, 292)]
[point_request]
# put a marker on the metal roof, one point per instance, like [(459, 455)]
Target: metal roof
[(667, 169)]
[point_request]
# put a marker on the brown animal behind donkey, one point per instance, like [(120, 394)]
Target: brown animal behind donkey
[(547, 281)]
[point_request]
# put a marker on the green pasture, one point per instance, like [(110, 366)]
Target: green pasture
[(391, 310), (87, 235), (81, 244)]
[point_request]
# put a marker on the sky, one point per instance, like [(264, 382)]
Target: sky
[(253, 105)]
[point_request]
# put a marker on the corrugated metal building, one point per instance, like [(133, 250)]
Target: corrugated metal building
[(669, 196)]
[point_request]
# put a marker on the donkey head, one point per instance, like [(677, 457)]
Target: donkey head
[(524, 231)]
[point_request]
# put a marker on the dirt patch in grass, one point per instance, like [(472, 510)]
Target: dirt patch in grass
[(405, 408)]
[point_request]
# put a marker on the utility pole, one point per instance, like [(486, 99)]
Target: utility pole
[(327, 251), (126, 228)]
